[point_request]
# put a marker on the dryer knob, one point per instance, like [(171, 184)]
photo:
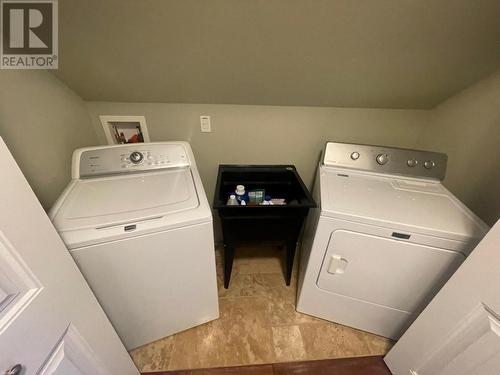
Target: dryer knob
[(412, 163), (429, 164), (382, 159)]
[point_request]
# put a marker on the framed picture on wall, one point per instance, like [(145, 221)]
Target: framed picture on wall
[(125, 129)]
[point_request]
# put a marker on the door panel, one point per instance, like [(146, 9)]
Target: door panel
[(44, 299), (458, 333), (370, 268), (474, 341), (26, 299), (18, 285), (73, 356)]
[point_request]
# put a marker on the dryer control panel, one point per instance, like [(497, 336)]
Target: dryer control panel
[(391, 160), (138, 157)]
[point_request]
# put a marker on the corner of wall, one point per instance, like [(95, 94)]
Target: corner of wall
[(43, 121), (466, 126)]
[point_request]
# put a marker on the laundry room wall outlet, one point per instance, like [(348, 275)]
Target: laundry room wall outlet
[(205, 124)]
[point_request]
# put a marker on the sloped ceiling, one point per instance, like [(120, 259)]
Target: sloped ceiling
[(354, 53)]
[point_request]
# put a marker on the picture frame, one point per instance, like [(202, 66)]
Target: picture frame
[(125, 129)]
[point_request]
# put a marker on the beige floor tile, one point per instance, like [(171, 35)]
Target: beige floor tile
[(259, 259), (196, 348), (280, 309), (288, 344), (277, 280), (242, 285), (378, 345), (329, 340), (248, 273), (239, 337), (153, 356)]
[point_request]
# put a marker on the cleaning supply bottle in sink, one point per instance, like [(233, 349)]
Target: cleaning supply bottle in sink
[(232, 201), (241, 194), (267, 201)]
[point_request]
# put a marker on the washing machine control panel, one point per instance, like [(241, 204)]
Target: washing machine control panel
[(129, 158), (389, 160)]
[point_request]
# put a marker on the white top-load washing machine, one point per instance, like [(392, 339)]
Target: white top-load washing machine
[(137, 222), (386, 236)]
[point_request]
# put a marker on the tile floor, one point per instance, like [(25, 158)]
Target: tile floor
[(258, 324)]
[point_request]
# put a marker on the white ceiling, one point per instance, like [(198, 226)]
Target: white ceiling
[(354, 53)]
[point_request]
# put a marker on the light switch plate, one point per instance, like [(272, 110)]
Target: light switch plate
[(206, 126)]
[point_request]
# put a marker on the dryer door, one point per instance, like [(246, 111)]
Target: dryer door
[(384, 271)]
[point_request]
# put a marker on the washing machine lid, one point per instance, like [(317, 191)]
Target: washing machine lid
[(108, 201), (416, 205)]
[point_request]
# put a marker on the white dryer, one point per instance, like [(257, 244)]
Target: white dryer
[(386, 236), (137, 222)]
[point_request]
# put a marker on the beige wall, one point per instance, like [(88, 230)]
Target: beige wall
[(467, 128), (42, 121), (260, 134)]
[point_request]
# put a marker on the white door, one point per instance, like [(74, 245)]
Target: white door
[(50, 322), (459, 331)]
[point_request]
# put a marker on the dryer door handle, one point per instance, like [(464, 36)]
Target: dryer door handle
[(338, 264)]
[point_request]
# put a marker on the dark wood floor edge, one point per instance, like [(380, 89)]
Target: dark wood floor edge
[(330, 360), (370, 359)]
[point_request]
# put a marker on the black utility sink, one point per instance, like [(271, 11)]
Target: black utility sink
[(261, 222)]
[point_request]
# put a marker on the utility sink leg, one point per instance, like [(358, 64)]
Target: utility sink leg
[(228, 263), (290, 255)]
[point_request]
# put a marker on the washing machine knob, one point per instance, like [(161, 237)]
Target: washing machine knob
[(136, 157), (382, 159), (355, 155), (429, 164)]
